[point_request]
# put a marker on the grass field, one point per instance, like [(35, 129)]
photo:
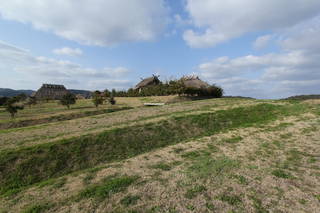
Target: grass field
[(214, 155)]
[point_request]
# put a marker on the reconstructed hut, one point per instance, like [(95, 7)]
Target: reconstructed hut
[(194, 82), (51, 92), (147, 82)]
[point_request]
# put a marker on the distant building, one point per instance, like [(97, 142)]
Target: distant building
[(194, 82), (51, 92), (147, 82)]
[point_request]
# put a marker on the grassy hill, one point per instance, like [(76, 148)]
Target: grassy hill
[(214, 155)]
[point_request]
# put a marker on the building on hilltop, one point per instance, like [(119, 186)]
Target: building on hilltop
[(51, 92), (194, 82), (147, 82)]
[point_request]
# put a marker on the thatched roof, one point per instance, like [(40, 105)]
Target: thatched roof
[(194, 82), (51, 91), (154, 80)]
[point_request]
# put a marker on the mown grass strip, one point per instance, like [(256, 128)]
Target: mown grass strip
[(56, 118), (26, 166)]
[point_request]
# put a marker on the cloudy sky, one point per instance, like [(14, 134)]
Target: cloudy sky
[(257, 48)]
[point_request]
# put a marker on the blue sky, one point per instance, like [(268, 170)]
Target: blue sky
[(263, 49)]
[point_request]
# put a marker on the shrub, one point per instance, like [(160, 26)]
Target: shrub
[(12, 106), (68, 99), (112, 101), (3, 100), (97, 98), (31, 101)]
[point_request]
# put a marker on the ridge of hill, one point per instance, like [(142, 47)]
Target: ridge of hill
[(7, 92)]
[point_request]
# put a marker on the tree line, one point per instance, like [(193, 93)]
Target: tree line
[(173, 87)]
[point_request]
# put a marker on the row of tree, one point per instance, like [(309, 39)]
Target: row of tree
[(174, 87), (13, 104)]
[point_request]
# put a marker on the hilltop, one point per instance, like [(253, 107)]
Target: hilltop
[(6, 92), (11, 92)]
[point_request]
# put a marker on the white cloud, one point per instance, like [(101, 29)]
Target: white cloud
[(68, 51), (218, 21), (303, 36), (274, 75), (262, 41), (94, 22), (29, 71)]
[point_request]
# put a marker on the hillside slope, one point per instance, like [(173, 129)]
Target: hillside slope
[(203, 156)]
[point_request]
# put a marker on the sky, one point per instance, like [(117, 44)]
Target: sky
[(257, 48)]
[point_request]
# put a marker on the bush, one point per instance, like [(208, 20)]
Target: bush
[(112, 101), (12, 106), (97, 98), (68, 99), (3, 100), (31, 101)]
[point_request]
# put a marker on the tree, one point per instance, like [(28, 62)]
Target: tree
[(22, 97), (12, 106), (3, 100), (112, 101), (31, 101), (107, 93), (113, 93), (68, 99), (215, 91), (97, 98)]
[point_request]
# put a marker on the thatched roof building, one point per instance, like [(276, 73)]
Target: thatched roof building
[(51, 92), (147, 82), (194, 82)]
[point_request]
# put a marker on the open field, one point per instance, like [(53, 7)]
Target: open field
[(216, 155)]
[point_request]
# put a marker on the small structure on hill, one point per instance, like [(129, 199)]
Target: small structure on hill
[(51, 92), (147, 82), (194, 82)]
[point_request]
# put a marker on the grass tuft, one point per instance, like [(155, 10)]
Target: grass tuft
[(108, 187), (281, 174), (37, 208), (193, 192), (130, 200), (230, 199)]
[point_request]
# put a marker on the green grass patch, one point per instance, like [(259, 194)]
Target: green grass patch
[(37, 208), (257, 204), (280, 173), (232, 200), (130, 200), (191, 155), (109, 186), (162, 166), (193, 192), (233, 140), (207, 167), (240, 179), (22, 167)]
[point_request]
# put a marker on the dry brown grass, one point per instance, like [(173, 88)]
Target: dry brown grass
[(313, 101), (291, 145)]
